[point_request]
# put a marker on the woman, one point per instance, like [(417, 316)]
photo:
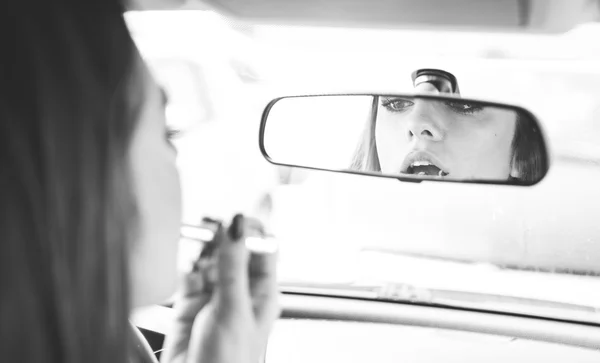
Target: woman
[(90, 212), (450, 138)]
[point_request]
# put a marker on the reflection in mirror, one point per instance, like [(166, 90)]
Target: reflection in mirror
[(407, 136)]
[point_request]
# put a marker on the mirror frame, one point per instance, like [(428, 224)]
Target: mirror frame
[(409, 178)]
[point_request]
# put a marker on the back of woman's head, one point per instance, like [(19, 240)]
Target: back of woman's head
[(65, 196)]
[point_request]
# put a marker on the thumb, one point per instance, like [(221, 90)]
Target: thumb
[(232, 286)]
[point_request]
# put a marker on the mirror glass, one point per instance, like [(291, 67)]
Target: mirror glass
[(409, 137)]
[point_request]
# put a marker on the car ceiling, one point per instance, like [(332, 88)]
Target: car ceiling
[(545, 16)]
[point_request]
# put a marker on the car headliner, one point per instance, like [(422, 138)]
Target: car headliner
[(513, 15)]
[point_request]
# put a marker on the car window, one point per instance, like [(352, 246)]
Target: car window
[(535, 245)]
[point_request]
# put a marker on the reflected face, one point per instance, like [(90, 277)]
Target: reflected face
[(156, 182), (448, 139)]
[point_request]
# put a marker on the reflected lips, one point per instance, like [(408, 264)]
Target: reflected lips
[(423, 163)]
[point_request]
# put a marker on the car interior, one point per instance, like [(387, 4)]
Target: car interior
[(362, 298)]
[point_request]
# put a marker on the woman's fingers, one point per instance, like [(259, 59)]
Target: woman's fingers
[(262, 272), (194, 295), (232, 286), (247, 277), (263, 286), (235, 324)]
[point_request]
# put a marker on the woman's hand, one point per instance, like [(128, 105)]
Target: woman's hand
[(228, 303)]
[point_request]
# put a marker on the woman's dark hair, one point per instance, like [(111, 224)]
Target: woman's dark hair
[(66, 199), (365, 156), (530, 160), (529, 164)]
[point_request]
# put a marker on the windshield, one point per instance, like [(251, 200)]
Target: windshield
[(533, 250)]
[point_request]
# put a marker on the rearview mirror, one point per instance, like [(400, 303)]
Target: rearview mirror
[(408, 137)]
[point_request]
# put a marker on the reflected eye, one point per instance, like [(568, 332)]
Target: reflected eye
[(464, 108), (396, 104)]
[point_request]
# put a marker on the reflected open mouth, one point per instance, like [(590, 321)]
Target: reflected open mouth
[(422, 163), (425, 168)]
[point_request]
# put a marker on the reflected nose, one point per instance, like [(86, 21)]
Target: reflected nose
[(421, 126), (424, 131)]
